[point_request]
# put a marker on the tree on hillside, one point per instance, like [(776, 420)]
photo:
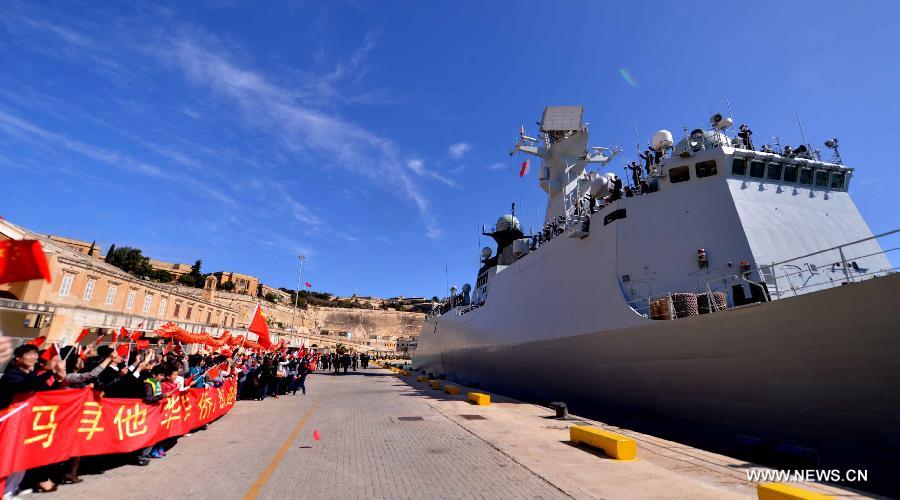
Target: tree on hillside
[(228, 286), (112, 249), (160, 275), (194, 278), (340, 348), (130, 260)]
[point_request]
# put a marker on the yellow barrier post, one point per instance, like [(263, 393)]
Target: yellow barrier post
[(781, 491), (435, 384), (479, 398), (451, 390), (422, 378), (614, 445)]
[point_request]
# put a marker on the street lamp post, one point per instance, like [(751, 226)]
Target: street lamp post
[(297, 294)]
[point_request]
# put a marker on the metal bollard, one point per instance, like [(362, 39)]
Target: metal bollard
[(562, 411)]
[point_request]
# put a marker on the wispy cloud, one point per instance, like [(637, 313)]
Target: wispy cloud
[(298, 127), (418, 167), (497, 166), (459, 150)]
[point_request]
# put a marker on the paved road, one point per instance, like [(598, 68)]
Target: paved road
[(267, 449)]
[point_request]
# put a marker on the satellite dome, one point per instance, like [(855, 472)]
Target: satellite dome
[(508, 222), (662, 139)]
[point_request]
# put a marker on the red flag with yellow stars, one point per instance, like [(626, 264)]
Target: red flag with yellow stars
[(22, 260), (259, 326)]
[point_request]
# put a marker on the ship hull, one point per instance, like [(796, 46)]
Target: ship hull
[(818, 372)]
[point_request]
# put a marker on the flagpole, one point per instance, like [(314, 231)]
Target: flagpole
[(297, 295)]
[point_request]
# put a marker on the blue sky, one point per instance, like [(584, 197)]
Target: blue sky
[(374, 137)]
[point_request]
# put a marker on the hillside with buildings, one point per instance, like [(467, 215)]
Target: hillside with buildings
[(88, 291)]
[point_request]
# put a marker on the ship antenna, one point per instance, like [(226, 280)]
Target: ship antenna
[(802, 137), (513, 210)]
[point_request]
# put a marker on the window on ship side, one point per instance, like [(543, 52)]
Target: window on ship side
[(706, 168), (790, 173), (738, 166), (838, 180), (773, 172), (757, 169), (806, 176), (679, 174), (821, 178)]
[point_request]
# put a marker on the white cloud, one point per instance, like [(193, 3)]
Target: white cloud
[(297, 126), (459, 150), (418, 167), (497, 166)]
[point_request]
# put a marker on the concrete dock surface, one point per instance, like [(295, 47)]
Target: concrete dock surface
[(382, 435)]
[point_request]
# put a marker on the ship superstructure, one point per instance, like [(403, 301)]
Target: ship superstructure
[(712, 264)]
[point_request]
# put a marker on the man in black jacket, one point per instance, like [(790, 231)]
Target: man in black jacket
[(21, 375)]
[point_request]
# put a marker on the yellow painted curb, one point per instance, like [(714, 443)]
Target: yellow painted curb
[(451, 389), (422, 378), (781, 491), (615, 445), (479, 398)]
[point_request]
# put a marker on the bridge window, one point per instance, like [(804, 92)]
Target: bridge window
[(706, 168), (774, 172), (679, 174), (806, 176), (821, 178), (738, 166), (790, 173), (757, 169), (837, 180)]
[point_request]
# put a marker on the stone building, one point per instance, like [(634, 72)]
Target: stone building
[(79, 246), (243, 283), (86, 292), (280, 296), (176, 269)]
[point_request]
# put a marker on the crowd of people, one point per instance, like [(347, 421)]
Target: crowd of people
[(150, 375), (344, 361)]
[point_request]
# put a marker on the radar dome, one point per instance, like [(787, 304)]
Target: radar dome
[(662, 140), (508, 222)]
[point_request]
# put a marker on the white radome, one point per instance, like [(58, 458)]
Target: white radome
[(662, 139)]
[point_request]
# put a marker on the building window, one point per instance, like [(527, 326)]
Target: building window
[(774, 172), (757, 169), (706, 168), (89, 289), (148, 299), (162, 307), (130, 302), (738, 166), (177, 309), (188, 315), (821, 178), (208, 317), (790, 173), (679, 174), (110, 295), (66, 285)]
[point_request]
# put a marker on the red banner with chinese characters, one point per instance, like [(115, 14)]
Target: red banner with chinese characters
[(52, 426)]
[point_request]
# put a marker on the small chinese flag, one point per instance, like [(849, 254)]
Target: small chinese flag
[(258, 326), (213, 372), (123, 350), (99, 338), (166, 348), (142, 344), (50, 353), (316, 435), (121, 332), (189, 382), (82, 353), (22, 260), (135, 335), (308, 284), (37, 341), (83, 335), (524, 170)]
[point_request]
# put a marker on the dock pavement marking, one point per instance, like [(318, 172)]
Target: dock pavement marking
[(264, 476)]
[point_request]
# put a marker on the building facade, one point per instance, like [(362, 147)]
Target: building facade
[(243, 283), (176, 269)]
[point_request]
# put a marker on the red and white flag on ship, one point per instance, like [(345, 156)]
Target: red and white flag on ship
[(526, 165)]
